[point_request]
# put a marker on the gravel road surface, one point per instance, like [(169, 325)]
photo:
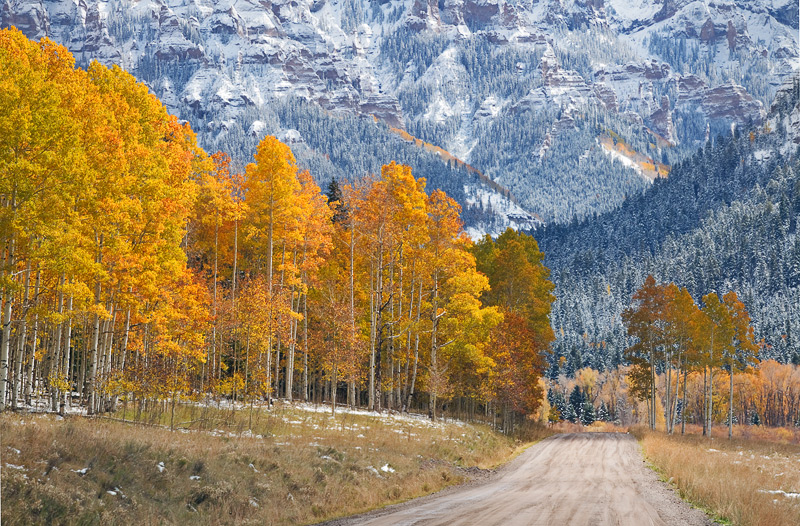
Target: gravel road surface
[(570, 479)]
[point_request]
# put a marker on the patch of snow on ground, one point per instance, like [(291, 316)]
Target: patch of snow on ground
[(789, 494), (392, 416)]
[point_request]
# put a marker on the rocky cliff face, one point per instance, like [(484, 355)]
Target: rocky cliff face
[(443, 69)]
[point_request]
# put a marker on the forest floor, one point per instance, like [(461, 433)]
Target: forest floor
[(748, 482), (290, 464)]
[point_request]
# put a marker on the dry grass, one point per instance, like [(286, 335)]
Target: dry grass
[(294, 467), (740, 481), (565, 426)]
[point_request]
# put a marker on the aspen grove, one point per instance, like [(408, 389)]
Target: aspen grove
[(136, 268)]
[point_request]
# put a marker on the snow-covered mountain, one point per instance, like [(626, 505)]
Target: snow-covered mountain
[(523, 91)]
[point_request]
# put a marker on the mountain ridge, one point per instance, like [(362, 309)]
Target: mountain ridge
[(465, 75)]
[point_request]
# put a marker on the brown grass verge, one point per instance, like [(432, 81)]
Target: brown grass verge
[(289, 466), (741, 482)]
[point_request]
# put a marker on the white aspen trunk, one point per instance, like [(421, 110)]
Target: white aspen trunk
[(372, 333), (125, 339), (390, 340), (333, 390), (16, 385), (235, 271), (305, 348), (434, 345), (247, 375), (705, 400), (93, 355), (109, 346), (84, 358), (65, 372), (55, 354), (674, 403), (668, 367), (730, 409), (652, 416), (213, 353), (268, 354), (379, 337), (269, 242), (710, 383), (7, 299), (32, 361), (18, 378), (291, 351), (710, 399), (293, 332), (352, 394), (407, 367), (683, 405), (416, 350)]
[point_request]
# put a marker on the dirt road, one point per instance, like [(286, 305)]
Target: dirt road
[(571, 479)]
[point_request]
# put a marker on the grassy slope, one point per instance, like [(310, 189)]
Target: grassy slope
[(296, 467), (725, 477)]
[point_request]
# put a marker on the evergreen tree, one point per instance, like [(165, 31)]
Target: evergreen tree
[(587, 415), (556, 400), (570, 415), (602, 412), (577, 400), (336, 201), (552, 372), (574, 362)]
